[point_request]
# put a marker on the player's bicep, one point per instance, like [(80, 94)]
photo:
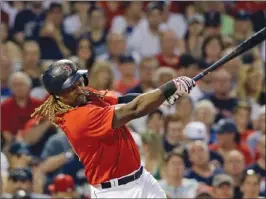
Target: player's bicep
[(123, 113)]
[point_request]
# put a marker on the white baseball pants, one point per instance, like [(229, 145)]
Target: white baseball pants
[(144, 187)]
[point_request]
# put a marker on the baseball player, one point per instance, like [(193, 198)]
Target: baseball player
[(95, 125)]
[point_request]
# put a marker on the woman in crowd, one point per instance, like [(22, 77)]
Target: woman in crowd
[(212, 48), (250, 185), (98, 31), (242, 119), (101, 76), (173, 182), (152, 153), (85, 54), (250, 85), (184, 109)]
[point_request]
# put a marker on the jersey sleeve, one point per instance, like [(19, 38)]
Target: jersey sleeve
[(90, 121)]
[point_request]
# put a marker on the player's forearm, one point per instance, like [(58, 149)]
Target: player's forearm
[(142, 105), (149, 102)]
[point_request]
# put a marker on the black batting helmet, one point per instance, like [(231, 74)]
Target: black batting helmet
[(61, 75)]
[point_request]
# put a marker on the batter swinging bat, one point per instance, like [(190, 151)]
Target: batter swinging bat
[(254, 40)]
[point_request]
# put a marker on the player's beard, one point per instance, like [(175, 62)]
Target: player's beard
[(87, 95)]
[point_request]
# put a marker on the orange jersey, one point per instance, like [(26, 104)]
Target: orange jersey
[(106, 153)]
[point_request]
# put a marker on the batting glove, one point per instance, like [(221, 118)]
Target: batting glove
[(183, 85)]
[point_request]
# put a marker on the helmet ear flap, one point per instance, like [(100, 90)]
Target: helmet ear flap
[(86, 80)]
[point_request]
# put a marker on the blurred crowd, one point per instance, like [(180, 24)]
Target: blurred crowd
[(209, 144)]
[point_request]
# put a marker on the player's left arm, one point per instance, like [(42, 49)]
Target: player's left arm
[(127, 98)]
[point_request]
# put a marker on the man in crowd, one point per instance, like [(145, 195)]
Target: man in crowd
[(223, 186), (18, 108)]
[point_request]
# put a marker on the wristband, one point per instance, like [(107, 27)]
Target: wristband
[(168, 89)]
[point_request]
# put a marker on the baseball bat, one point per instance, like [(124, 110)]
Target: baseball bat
[(251, 42)]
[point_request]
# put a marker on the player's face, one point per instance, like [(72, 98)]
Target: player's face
[(75, 95)]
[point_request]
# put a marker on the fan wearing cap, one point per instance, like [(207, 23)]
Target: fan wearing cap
[(228, 139), (20, 155), (22, 179), (63, 187), (243, 26), (223, 186), (96, 128)]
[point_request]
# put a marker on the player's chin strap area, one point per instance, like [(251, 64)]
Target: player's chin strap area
[(124, 180)]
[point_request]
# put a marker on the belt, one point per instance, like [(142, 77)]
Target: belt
[(124, 180)]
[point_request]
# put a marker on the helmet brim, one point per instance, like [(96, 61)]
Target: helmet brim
[(73, 79)]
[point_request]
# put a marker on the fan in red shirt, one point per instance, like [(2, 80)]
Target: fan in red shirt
[(17, 109), (228, 139), (95, 125), (168, 56)]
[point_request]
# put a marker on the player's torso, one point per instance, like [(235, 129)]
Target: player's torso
[(106, 158)]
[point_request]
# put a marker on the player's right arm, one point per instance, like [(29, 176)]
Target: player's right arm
[(150, 101)]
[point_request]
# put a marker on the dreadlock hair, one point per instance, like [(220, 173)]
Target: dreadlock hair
[(50, 108), (53, 106)]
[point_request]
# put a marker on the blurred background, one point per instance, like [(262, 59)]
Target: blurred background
[(209, 144)]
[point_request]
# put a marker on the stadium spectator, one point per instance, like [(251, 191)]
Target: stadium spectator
[(228, 139), (173, 182), (234, 165), (242, 118), (98, 31), (152, 153), (127, 67), (27, 20), (259, 124), (54, 42), (223, 186), (234, 66), (13, 49), (250, 184), (85, 56), (112, 9), (22, 179), (220, 96), (101, 76), (31, 65), (168, 55), (188, 66), (212, 20), (147, 68), (249, 86), (77, 23), (6, 70), (196, 131), (194, 38), (63, 187), (211, 49), (145, 39), (126, 23), (163, 75), (259, 166), (19, 155), (184, 109), (173, 136), (202, 170), (243, 26), (18, 108), (205, 113), (116, 47), (155, 122)]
